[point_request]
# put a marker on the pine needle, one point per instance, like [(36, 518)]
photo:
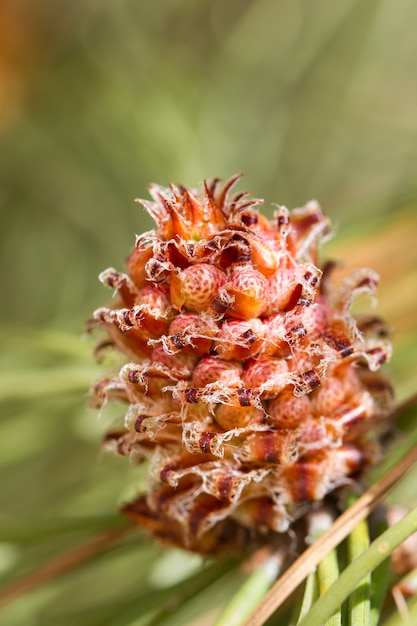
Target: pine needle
[(310, 558), (379, 550), (62, 563)]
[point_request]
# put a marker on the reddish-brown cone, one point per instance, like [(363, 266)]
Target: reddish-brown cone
[(250, 389)]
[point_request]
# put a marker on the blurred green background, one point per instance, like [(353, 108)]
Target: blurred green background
[(97, 99)]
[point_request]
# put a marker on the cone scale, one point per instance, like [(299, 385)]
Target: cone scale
[(251, 390)]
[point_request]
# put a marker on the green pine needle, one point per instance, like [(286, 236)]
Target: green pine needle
[(251, 592), (351, 577)]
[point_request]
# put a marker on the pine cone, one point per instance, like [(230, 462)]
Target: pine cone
[(252, 392)]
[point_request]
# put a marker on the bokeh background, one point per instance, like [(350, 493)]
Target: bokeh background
[(99, 98)]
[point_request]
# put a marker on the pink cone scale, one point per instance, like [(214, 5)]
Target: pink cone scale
[(250, 388), (196, 287), (246, 293)]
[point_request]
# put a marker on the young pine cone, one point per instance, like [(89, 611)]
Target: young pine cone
[(251, 390)]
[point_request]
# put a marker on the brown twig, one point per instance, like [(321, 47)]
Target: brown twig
[(341, 528), (62, 564)]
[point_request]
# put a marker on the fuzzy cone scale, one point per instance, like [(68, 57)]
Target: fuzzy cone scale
[(251, 389)]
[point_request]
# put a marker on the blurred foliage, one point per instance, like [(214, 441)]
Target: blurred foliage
[(97, 99)]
